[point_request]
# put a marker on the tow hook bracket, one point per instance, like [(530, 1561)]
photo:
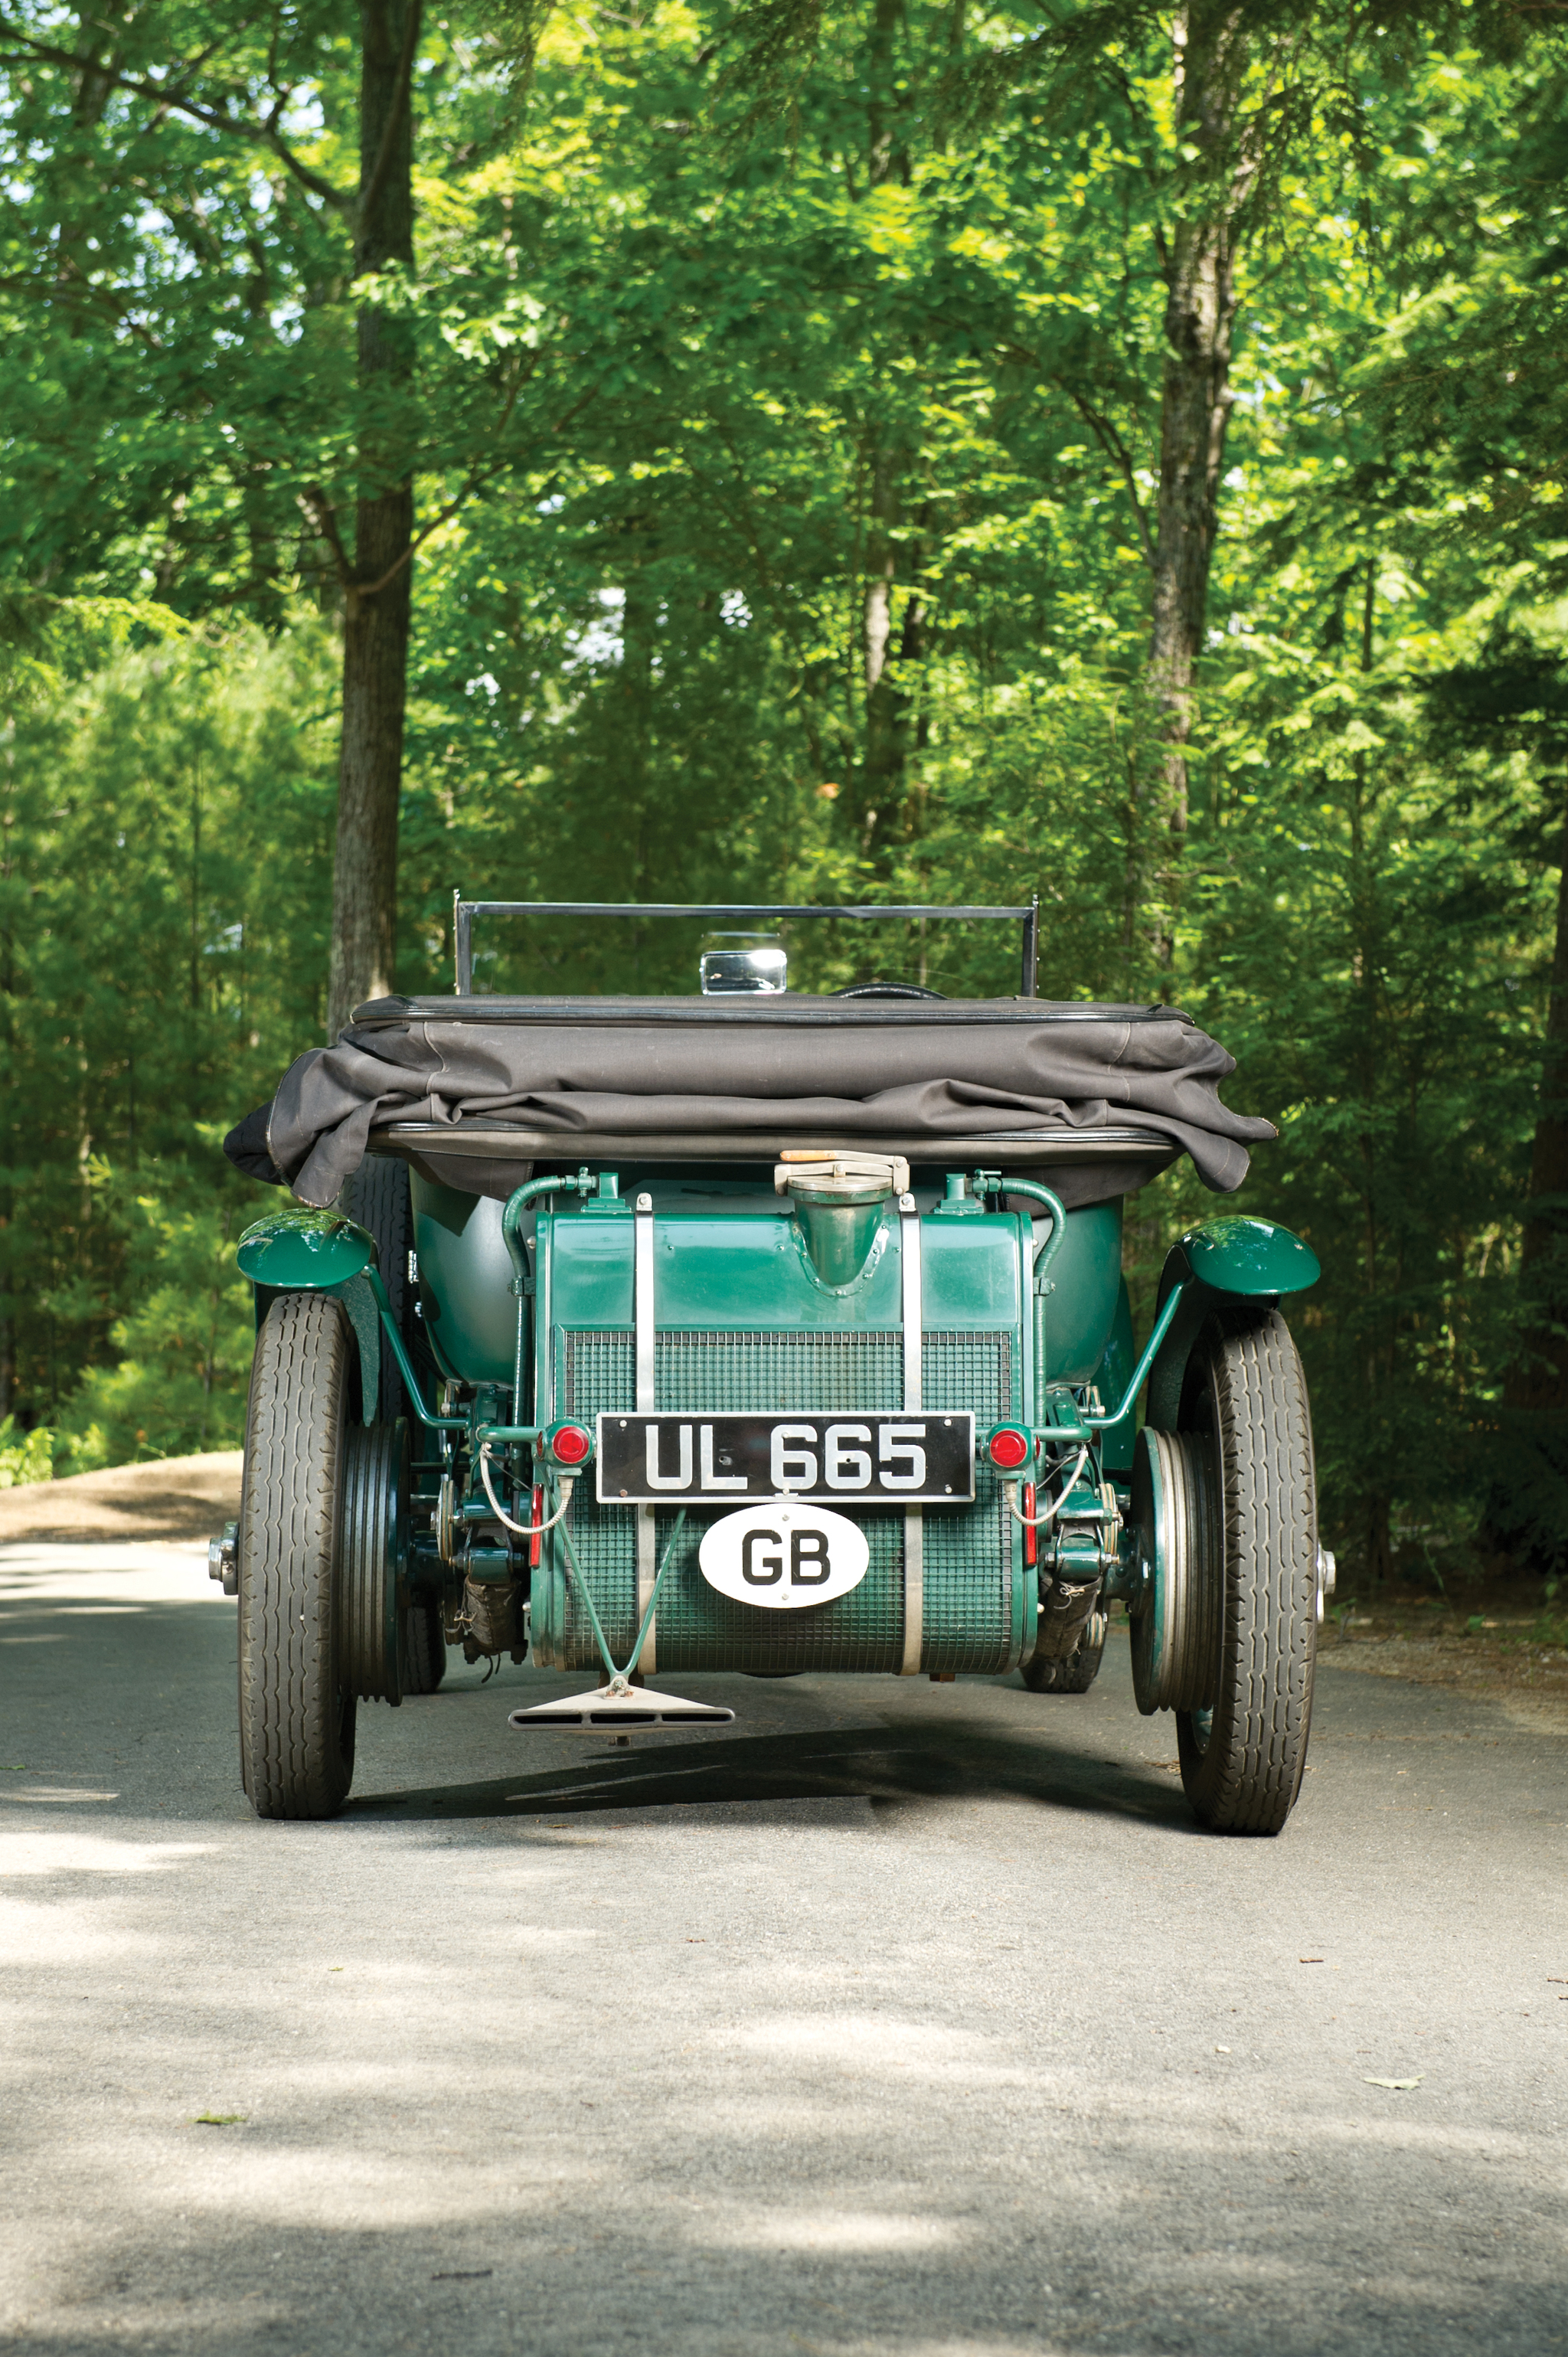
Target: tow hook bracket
[(618, 1708)]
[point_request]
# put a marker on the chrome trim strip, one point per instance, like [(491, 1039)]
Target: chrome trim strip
[(910, 1249), (913, 1519), (645, 1330), (642, 1301), (1003, 1149), (914, 1591)]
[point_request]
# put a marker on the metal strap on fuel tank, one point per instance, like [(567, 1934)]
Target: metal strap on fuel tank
[(644, 1331), (914, 1516)]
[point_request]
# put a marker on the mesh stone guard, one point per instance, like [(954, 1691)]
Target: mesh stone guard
[(968, 1571)]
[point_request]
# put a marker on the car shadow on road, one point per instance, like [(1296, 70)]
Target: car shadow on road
[(883, 1765)]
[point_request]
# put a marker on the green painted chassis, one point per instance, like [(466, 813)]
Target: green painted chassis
[(492, 1345)]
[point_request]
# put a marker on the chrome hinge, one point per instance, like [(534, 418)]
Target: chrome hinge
[(223, 1559)]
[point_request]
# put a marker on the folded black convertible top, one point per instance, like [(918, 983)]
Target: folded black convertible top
[(470, 1088)]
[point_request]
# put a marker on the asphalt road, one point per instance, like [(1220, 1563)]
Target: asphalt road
[(897, 2020)]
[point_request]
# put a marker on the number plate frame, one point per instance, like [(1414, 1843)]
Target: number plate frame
[(735, 1460)]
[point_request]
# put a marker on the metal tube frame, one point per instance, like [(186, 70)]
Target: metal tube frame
[(992, 1182), (405, 1364), (914, 1316), (465, 911), (1100, 1423), (645, 1353), (517, 1203)]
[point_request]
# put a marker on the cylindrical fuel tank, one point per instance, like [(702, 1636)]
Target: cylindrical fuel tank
[(465, 1281), (1084, 1278)]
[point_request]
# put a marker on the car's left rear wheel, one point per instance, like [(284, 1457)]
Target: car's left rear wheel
[(297, 1702), (1081, 1667)]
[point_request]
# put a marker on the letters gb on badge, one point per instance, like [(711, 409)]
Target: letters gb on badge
[(783, 1556)]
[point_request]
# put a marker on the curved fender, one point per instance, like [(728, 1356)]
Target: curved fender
[(305, 1252), (319, 1251), (1233, 1259)]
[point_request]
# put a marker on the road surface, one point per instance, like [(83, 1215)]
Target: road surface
[(895, 2020)]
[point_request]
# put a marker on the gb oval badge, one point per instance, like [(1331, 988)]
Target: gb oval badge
[(784, 1555)]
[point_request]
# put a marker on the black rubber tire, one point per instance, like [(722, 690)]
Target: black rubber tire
[(1081, 1667), (378, 1196), (1245, 1393), (424, 1649), (297, 1716)]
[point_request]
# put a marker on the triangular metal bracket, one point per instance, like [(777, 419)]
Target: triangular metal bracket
[(618, 1708)]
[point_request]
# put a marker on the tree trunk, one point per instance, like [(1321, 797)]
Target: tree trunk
[(1198, 261), (1367, 978), (882, 776), (635, 850), (1540, 1382), (376, 601)]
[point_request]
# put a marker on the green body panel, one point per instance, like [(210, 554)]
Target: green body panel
[(304, 1251), (717, 1266), (1080, 1307), (741, 1271)]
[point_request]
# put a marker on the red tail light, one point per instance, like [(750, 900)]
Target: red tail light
[(569, 1444), (1009, 1449)]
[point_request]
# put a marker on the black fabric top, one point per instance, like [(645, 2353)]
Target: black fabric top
[(815, 1068)]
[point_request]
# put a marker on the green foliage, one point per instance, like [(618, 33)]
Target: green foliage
[(743, 333), (25, 1456), (164, 865), (182, 1358)]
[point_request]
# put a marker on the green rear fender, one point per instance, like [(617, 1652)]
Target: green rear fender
[(1248, 1258), (319, 1251), (1233, 1259), (305, 1252)]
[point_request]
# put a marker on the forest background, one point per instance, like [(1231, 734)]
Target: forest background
[(809, 451)]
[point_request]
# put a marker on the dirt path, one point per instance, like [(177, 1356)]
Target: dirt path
[(1496, 1645), (176, 1498)]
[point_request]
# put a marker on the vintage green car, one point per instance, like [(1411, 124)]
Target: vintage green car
[(755, 1330)]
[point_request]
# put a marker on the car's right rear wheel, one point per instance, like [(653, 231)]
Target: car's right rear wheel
[(296, 1704), (1245, 1402)]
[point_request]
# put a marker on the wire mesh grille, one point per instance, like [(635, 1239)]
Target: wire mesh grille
[(969, 1553)]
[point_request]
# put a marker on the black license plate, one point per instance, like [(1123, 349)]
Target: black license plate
[(916, 1459)]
